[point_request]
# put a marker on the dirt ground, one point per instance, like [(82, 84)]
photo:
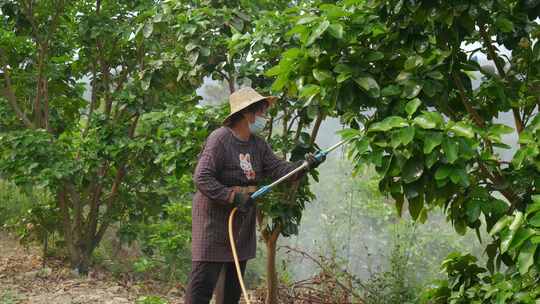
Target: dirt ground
[(23, 279)]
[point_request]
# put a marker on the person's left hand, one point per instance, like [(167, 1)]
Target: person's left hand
[(312, 161), (242, 201)]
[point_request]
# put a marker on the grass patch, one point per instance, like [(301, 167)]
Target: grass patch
[(10, 297)]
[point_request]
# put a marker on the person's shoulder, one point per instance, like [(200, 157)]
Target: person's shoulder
[(260, 141), (219, 134)]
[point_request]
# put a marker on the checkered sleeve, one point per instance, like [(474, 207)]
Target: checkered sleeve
[(275, 167), (210, 162)]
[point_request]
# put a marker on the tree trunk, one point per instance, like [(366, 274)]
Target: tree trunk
[(272, 278), (83, 263), (79, 248)]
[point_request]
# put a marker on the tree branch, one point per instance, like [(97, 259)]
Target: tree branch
[(502, 73), (292, 122), (465, 100), (77, 204), (66, 220), (270, 128), (316, 127), (299, 131), (93, 99), (324, 269), (27, 11), (97, 187), (495, 177), (119, 86), (120, 174), (10, 95)]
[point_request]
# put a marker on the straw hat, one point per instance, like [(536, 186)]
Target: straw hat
[(245, 97)]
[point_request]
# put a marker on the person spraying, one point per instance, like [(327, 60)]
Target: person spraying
[(232, 164)]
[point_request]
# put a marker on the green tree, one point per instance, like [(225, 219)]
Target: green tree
[(400, 74), (95, 154), (292, 130), (249, 39)]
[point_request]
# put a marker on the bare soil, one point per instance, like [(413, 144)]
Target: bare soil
[(24, 279)]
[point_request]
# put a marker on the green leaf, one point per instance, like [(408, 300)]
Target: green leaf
[(399, 204), (406, 135), (431, 141), (424, 122), (502, 223), (422, 217), (460, 226), (274, 71), (450, 148), (403, 77), (520, 237), (309, 91), (518, 220), (322, 75), (391, 90), (369, 85), (526, 137), (500, 129), (412, 106), (306, 20), (415, 206), (336, 30), (342, 77), (280, 82), (374, 56), (411, 89), (459, 176), (349, 133), (536, 51), (519, 157), (361, 146), (535, 206), (148, 29), (388, 123), (526, 257), (429, 120), (472, 211), (506, 238), (412, 170), (402, 136), (462, 129), (319, 30), (442, 172), (535, 220), (413, 62), (292, 54), (342, 68), (435, 75), (431, 159), (504, 24)]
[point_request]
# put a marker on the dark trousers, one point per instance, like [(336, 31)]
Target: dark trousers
[(204, 277)]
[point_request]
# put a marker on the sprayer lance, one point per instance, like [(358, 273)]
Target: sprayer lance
[(320, 155)]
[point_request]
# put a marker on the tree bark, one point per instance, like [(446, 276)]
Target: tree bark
[(272, 284)]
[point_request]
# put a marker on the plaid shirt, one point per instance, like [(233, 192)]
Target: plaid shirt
[(225, 162)]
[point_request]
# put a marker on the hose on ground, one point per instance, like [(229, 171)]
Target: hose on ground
[(235, 256)]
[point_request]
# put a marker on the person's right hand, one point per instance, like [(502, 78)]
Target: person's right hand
[(242, 201), (312, 161)]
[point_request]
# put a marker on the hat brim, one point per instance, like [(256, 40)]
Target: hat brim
[(270, 99)]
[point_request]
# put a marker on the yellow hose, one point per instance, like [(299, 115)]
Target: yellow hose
[(235, 256)]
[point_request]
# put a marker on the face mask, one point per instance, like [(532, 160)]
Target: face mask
[(258, 125)]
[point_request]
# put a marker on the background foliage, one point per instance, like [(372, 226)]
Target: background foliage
[(98, 112)]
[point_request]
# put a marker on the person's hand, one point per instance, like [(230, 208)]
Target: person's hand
[(242, 201), (313, 162)]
